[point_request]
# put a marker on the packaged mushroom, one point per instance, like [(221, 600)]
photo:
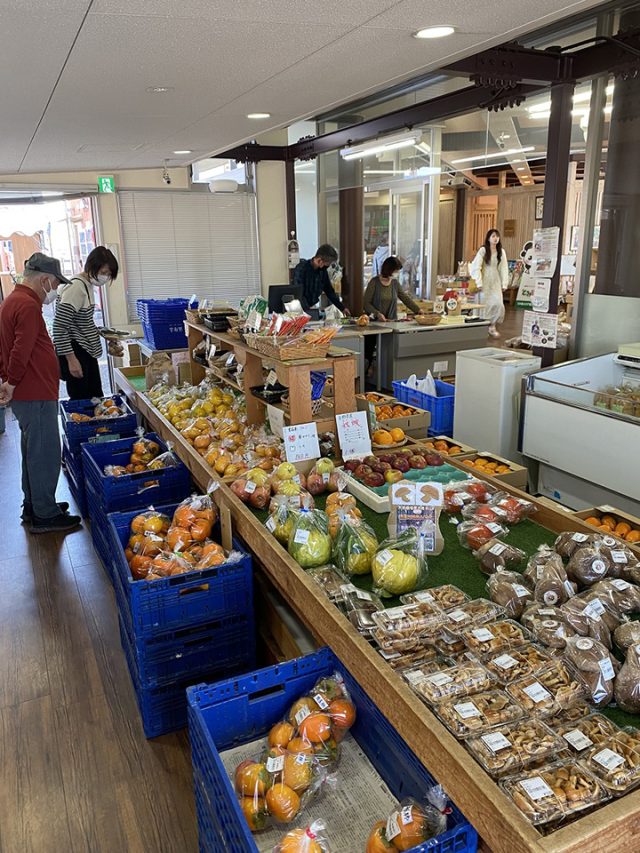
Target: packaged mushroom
[(510, 590), (571, 715), (567, 543), (548, 691), (590, 618), (475, 612), (510, 666), (588, 565), (476, 714), (616, 761), (581, 735), (418, 654), (414, 674), (627, 686), (510, 749), (461, 680), (495, 637), (359, 599), (450, 645), (495, 556), (329, 579), (543, 557), (596, 668), (555, 792), (446, 596), (623, 596), (552, 586), (407, 623), (548, 625), (627, 634)]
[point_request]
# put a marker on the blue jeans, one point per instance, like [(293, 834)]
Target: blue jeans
[(2, 419), (40, 446)]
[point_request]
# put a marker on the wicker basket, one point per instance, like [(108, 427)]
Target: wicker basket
[(316, 405), (428, 319), (286, 348)]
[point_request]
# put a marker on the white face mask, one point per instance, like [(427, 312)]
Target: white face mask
[(50, 295), (101, 280)]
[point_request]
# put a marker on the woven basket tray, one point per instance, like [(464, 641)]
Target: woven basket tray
[(316, 405), (428, 319), (285, 349)]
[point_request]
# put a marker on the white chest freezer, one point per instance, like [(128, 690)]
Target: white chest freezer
[(487, 404)]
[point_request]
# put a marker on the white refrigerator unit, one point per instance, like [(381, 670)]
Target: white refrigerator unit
[(488, 393)]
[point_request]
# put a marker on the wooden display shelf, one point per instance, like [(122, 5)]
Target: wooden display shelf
[(294, 374), (492, 813)]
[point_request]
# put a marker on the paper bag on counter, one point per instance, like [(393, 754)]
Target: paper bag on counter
[(159, 368)]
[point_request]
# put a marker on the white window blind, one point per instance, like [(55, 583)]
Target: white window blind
[(181, 243)]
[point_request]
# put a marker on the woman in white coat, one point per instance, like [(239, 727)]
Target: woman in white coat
[(490, 271)]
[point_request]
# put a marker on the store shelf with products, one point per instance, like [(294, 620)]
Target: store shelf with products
[(500, 823)]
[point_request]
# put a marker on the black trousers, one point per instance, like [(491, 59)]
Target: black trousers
[(370, 342), (90, 385)]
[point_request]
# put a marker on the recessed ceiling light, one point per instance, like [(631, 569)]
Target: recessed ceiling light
[(521, 168), (258, 115), (434, 32), (159, 90), (184, 151)]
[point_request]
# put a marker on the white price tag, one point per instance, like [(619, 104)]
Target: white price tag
[(439, 679), (493, 527), (496, 741), (301, 537), (321, 702), (364, 595), (483, 635), (250, 487), (272, 378), (406, 815), (458, 616), (539, 572), (392, 828), (619, 557), (229, 360), (326, 477), (546, 611), (347, 588), (271, 524), (594, 609), (608, 759), (579, 537), (606, 668), (577, 740), (537, 693), (536, 788), (384, 557), (422, 597), (415, 676), (466, 710), (505, 661), (275, 764), (497, 549), (302, 715), (568, 587), (276, 420), (620, 585), (300, 758), (521, 591)]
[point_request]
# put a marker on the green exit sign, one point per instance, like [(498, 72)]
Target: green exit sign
[(106, 184)]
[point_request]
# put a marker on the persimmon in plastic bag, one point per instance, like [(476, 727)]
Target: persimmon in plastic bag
[(411, 823), (192, 522), (310, 839)]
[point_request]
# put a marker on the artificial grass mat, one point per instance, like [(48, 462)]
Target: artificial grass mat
[(456, 565)]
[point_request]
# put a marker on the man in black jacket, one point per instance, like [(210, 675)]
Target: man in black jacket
[(312, 277)]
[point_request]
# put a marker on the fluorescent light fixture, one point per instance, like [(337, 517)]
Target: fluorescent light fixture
[(520, 160), (184, 151), (423, 172), (159, 90), (388, 143), (493, 156), (521, 169), (258, 115), (434, 32)]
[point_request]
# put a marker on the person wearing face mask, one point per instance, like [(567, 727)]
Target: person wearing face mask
[(313, 279), (29, 381), (76, 338)]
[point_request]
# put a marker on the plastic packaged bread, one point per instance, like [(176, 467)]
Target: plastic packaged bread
[(596, 668), (495, 637), (548, 691), (582, 735), (468, 715), (461, 680), (616, 761), (567, 543), (554, 792), (446, 596), (548, 625), (623, 596), (496, 556), (510, 666), (510, 749), (511, 591)]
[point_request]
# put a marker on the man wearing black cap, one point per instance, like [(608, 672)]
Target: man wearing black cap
[(313, 279), (29, 381)]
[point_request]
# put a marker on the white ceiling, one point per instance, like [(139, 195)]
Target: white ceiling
[(75, 73)]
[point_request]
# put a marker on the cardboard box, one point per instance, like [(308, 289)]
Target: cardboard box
[(465, 448), (363, 403), (517, 476), (131, 357), (619, 516), (415, 425)]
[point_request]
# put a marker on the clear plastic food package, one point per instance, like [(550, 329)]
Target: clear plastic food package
[(407, 623), (596, 668), (588, 565), (627, 686), (473, 534), (400, 564), (448, 644), (552, 585), (309, 540), (510, 590), (512, 509), (510, 749), (446, 596), (329, 579), (518, 663), (571, 715), (495, 637), (591, 617), (583, 734), (309, 839), (354, 547), (461, 680), (469, 715), (548, 625), (626, 635), (411, 823), (353, 598), (542, 558), (496, 556), (418, 654), (616, 761), (548, 691), (555, 792), (623, 596), (567, 543), (479, 611)]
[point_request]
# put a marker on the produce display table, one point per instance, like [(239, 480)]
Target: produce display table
[(491, 812)]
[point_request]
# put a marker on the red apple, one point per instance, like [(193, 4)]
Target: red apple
[(374, 479), (402, 465), (418, 462), (387, 457), (362, 471), (381, 467), (370, 461), (315, 484), (433, 459)]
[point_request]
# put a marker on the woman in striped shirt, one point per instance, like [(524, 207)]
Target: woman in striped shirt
[(75, 335)]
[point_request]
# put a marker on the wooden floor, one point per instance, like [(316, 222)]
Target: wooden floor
[(77, 773)]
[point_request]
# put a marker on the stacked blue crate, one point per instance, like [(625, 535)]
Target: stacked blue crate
[(163, 322)]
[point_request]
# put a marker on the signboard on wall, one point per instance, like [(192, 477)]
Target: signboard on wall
[(106, 184)]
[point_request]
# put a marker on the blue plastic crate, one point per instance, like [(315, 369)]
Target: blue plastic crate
[(99, 526), (163, 336), (240, 710), (163, 322), (224, 646), (162, 309), (95, 430), (441, 407), (183, 600), (130, 491), (75, 479)]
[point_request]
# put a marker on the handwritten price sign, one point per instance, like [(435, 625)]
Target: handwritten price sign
[(301, 442), (353, 435)]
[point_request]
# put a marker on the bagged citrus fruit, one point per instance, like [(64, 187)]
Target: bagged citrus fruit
[(354, 546), (400, 564), (411, 823), (311, 839), (309, 541), (192, 522)]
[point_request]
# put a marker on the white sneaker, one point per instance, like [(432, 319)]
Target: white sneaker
[(494, 332)]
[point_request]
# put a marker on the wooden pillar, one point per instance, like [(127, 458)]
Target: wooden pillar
[(352, 247), (461, 207)]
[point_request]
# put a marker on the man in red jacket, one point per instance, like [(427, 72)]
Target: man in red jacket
[(29, 381)]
